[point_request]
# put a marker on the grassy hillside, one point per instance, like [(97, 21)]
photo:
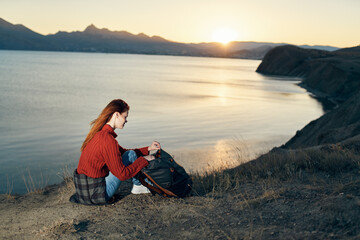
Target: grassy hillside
[(285, 194)]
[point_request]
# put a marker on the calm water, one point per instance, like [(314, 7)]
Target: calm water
[(200, 109)]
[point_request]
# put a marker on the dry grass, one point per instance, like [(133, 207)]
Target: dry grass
[(34, 185), (68, 189), (267, 196), (279, 165), (9, 188)]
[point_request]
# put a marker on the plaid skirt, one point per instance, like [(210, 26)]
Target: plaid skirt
[(89, 190)]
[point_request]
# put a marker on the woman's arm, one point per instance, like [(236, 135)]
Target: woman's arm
[(139, 151), (144, 151), (112, 157)]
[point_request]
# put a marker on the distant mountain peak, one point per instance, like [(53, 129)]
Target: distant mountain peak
[(143, 35), (92, 29)]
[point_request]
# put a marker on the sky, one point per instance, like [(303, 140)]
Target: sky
[(313, 22)]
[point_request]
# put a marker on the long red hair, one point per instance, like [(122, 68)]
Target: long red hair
[(116, 105)]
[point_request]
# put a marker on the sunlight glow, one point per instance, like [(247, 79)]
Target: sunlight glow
[(224, 35)]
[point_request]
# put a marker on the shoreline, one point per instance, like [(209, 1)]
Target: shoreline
[(124, 53), (321, 95), (327, 102)]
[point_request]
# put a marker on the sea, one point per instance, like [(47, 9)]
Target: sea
[(209, 113)]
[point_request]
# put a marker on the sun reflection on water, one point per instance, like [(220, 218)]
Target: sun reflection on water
[(223, 155), (222, 95)]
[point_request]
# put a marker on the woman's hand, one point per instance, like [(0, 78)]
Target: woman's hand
[(149, 157), (154, 146)]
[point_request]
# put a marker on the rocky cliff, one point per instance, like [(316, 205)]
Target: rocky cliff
[(334, 75)]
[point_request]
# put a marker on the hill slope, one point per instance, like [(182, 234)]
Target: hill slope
[(334, 75), (18, 37), (338, 125)]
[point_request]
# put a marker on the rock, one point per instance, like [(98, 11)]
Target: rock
[(335, 75)]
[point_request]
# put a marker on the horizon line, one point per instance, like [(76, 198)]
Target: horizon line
[(186, 42)]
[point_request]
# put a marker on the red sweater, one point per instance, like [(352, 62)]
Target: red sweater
[(103, 153)]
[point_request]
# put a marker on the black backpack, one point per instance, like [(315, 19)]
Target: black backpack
[(168, 178)]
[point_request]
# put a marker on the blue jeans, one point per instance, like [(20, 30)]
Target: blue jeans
[(112, 182)]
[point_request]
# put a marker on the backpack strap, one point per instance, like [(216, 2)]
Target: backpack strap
[(143, 182), (159, 189)]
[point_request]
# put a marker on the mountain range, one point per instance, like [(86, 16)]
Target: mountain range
[(93, 39)]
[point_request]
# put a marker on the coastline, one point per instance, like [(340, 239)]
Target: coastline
[(328, 103)]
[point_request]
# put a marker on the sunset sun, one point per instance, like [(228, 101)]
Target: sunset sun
[(224, 35)]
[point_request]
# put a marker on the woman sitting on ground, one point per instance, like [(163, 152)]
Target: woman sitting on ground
[(104, 163)]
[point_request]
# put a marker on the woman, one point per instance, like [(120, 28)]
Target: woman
[(104, 163)]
